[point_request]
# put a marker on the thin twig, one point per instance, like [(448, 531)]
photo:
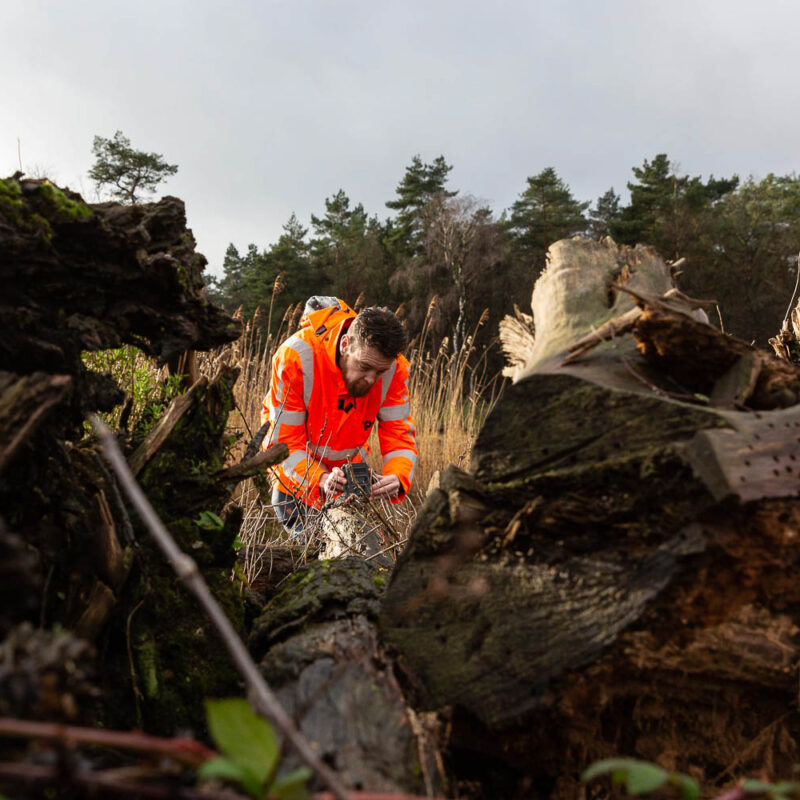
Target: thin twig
[(181, 749), (261, 696), (137, 692), (102, 785), (794, 293), (386, 550)]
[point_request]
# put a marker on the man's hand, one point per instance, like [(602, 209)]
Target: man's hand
[(386, 486), (332, 482)]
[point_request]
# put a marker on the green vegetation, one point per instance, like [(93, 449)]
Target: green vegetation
[(64, 208), (638, 778), (149, 390), (250, 753), (642, 777), (740, 239), (127, 173)]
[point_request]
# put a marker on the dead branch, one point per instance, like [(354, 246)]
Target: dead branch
[(183, 750), (255, 443), (24, 403), (103, 785), (246, 469), (153, 441), (261, 696), (614, 327)]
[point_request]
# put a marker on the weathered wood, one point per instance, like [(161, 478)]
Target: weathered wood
[(153, 441), (110, 561), (254, 465), (97, 606), (24, 403), (622, 562), (114, 274), (317, 645), (79, 278)]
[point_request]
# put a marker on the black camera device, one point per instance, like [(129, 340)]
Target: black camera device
[(358, 479)]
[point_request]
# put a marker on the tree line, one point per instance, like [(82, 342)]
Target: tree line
[(740, 239)]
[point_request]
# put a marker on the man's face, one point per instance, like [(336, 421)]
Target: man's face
[(362, 366)]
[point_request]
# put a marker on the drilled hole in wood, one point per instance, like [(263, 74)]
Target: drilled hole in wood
[(788, 468), (747, 462), (776, 472)]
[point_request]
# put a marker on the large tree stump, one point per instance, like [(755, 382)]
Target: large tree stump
[(78, 278), (618, 575)]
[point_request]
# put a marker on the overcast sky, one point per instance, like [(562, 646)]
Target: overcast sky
[(270, 107)]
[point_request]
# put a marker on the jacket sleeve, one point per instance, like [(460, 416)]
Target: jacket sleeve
[(286, 410), (396, 433)]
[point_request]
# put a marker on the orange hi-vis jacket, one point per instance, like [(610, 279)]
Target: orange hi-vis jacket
[(324, 426)]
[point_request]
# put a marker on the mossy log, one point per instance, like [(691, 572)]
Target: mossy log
[(619, 573), (318, 647), (80, 277)]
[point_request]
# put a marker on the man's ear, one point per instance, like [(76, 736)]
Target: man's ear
[(344, 343)]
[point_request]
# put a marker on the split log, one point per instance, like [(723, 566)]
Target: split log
[(618, 575), (318, 648)]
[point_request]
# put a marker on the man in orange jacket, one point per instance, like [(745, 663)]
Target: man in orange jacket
[(331, 381)]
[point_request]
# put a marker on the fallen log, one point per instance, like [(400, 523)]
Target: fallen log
[(617, 575)]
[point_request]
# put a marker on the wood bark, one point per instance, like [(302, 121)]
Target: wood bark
[(618, 573), (76, 278)]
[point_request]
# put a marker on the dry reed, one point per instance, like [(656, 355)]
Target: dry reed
[(450, 398)]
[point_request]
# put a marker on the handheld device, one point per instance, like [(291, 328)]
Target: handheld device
[(358, 478)]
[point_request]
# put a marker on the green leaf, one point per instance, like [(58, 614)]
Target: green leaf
[(639, 777), (752, 785), (606, 766), (777, 791), (644, 778), (244, 736), (688, 786), (209, 520), (223, 768), (292, 786)]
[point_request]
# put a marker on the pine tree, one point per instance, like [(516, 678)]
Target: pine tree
[(421, 183), (746, 258), (604, 214), (129, 173), (544, 213), (348, 250), (666, 210)]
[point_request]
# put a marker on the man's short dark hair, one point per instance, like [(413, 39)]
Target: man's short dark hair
[(379, 328)]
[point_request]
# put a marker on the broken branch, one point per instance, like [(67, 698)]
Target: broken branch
[(261, 696)]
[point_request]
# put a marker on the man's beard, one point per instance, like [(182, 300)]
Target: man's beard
[(357, 389)]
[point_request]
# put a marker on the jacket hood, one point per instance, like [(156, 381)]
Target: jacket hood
[(328, 318)]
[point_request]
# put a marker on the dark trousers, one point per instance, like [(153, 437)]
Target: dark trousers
[(289, 511)]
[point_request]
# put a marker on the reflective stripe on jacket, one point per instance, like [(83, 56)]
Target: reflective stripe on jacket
[(323, 425)]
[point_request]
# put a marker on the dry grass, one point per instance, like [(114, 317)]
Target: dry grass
[(450, 398)]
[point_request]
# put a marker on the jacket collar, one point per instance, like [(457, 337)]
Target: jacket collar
[(327, 325)]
